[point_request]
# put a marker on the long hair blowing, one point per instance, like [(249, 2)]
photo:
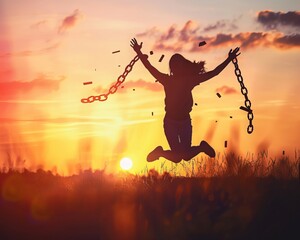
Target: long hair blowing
[(180, 65)]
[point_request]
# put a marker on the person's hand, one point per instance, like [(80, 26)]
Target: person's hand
[(233, 54), (136, 47)]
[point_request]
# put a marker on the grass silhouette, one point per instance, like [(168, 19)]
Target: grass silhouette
[(231, 197)]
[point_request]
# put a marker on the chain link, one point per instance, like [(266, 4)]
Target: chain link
[(244, 91), (113, 88)]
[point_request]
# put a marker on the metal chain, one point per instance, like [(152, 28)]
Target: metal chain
[(244, 91), (113, 88)]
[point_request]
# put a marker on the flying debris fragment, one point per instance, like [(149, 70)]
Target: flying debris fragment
[(245, 109), (225, 144), (151, 52), (161, 58), (219, 95), (202, 43), (87, 83), (116, 51)]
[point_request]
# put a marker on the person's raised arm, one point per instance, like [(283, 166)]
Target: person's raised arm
[(210, 74), (144, 58)]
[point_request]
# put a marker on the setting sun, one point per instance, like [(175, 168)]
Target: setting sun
[(126, 163)]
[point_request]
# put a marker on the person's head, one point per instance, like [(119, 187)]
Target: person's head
[(181, 66), (177, 64)]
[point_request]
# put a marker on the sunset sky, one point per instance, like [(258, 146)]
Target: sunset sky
[(48, 49)]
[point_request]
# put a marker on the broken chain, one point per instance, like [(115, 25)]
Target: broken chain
[(113, 88), (244, 91)]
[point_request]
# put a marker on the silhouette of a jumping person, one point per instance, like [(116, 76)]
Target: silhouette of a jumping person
[(178, 86)]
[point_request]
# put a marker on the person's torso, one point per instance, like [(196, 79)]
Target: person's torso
[(178, 98)]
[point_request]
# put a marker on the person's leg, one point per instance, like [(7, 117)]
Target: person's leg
[(167, 154), (195, 150), (172, 156), (185, 136), (155, 154), (171, 133), (171, 128), (188, 151), (207, 149)]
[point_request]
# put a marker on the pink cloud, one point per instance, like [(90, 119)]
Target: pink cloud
[(254, 39), (39, 24), (12, 89), (287, 41), (271, 20), (187, 38), (221, 25), (221, 39), (26, 53), (149, 33), (69, 21), (225, 90), (150, 86), (188, 31), (99, 89)]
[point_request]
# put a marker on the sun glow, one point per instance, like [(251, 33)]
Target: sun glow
[(126, 163)]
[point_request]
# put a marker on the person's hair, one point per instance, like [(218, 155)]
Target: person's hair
[(179, 66)]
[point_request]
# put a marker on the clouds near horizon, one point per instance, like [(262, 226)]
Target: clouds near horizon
[(27, 53), (187, 38), (226, 90), (43, 84)]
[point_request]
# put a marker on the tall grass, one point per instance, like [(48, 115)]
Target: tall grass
[(229, 197), (231, 164)]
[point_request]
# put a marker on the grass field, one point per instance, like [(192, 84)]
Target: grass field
[(233, 198)]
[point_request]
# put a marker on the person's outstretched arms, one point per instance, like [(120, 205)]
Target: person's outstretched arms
[(208, 75), (144, 58)]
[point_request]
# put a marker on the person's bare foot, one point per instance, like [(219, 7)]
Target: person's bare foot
[(207, 149), (155, 154)]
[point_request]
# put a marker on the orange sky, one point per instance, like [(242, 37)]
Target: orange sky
[(47, 51)]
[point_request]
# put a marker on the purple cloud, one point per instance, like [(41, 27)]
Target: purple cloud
[(271, 20)]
